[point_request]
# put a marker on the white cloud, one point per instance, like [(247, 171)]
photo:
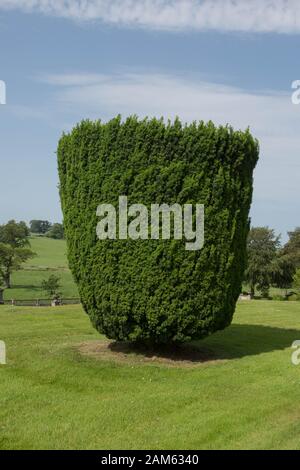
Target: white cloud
[(280, 16), (73, 79), (271, 114)]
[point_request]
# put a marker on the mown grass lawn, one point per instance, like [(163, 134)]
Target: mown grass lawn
[(51, 397)]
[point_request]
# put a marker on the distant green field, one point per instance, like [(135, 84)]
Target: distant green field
[(51, 259), (52, 397), (51, 253)]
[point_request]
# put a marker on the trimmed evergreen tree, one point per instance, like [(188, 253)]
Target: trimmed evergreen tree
[(154, 291)]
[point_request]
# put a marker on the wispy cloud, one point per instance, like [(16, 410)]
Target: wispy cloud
[(280, 16), (272, 117), (72, 79), (157, 94)]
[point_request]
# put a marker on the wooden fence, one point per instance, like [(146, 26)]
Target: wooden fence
[(40, 302)]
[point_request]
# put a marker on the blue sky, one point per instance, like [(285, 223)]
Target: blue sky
[(226, 61)]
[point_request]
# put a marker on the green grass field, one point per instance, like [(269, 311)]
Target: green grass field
[(53, 397), (51, 259)]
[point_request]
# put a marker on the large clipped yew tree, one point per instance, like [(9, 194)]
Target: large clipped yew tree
[(155, 291)]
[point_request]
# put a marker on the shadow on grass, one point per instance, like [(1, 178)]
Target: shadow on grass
[(237, 341), (240, 340)]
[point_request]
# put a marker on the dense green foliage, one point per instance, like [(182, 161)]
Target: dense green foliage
[(14, 234), (14, 251), (296, 281), (283, 273), (262, 249), (292, 248), (39, 226), (269, 264), (149, 290), (52, 285), (11, 259), (56, 231)]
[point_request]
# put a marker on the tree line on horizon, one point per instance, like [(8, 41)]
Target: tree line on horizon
[(47, 229)]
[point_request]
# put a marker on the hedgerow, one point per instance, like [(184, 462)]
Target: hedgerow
[(154, 291)]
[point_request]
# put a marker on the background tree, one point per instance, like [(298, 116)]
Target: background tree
[(14, 234), (262, 248), (40, 226), (56, 231), (2, 288), (296, 281), (52, 286), (291, 249), (11, 259), (14, 248), (283, 271)]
